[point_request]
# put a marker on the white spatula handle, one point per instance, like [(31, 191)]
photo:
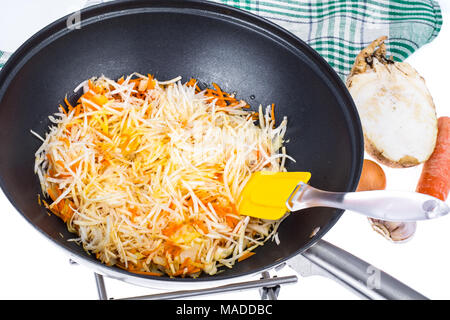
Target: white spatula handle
[(383, 205)]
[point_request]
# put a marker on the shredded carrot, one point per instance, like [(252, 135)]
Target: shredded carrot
[(77, 110), (219, 94), (187, 267), (62, 109), (59, 163), (172, 228), (187, 262), (223, 99), (100, 99), (66, 141), (69, 106), (151, 82), (245, 256), (148, 273), (74, 166), (51, 194), (202, 226), (133, 211), (191, 82), (172, 248), (272, 114)]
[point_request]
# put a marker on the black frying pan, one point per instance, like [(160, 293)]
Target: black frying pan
[(263, 63)]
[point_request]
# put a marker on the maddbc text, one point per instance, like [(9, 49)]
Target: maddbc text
[(228, 309)]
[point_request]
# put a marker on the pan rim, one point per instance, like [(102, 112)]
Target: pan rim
[(117, 8)]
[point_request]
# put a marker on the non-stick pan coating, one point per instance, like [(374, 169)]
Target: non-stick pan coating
[(212, 43)]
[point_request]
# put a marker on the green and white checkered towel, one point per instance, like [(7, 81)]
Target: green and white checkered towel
[(339, 29), (3, 57)]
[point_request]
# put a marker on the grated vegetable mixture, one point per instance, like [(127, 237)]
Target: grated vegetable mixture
[(147, 174)]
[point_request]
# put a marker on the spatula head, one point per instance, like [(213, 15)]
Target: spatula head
[(265, 194)]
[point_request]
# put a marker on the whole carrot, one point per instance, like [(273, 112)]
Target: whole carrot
[(435, 177)]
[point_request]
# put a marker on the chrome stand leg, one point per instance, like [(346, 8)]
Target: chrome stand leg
[(269, 293), (101, 289)]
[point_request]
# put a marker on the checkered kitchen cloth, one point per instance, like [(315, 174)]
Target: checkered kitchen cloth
[(339, 29)]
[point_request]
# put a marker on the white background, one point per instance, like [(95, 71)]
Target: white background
[(33, 268)]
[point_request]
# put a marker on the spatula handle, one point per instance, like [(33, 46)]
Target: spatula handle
[(380, 204)]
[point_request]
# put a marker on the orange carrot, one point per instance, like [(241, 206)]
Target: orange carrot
[(59, 163), (74, 166), (51, 194), (223, 98), (68, 104), (63, 110), (245, 256), (66, 141), (133, 212), (272, 114), (150, 83), (171, 228), (218, 90), (100, 99), (435, 177), (94, 88), (77, 110), (202, 226), (172, 248), (191, 82), (184, 268), (186, 263), (131, 269), (148, 273)]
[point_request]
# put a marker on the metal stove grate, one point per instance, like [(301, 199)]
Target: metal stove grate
[(269, 288)]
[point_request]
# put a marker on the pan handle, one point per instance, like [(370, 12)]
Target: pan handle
[(362, 278)]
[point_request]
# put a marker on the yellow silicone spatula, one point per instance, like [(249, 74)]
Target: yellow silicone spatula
[(265, 194), (269, 195)]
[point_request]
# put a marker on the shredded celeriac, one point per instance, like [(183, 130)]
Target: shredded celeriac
[(148, 173)]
